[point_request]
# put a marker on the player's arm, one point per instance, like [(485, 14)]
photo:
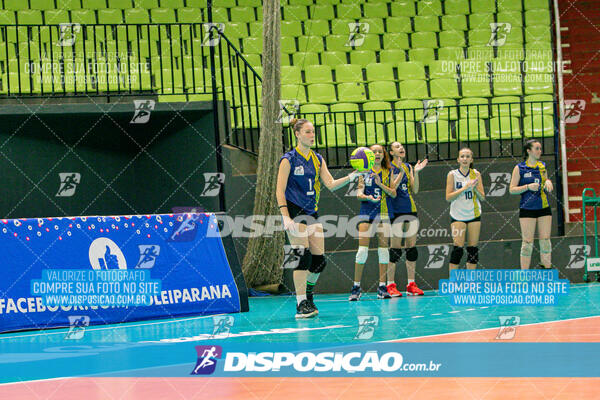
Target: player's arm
[(282, 179), (548, 186), (331, 183), (390, 191), (451, 195), (414, 180), (360, 191), (514, 182), (478, 189)]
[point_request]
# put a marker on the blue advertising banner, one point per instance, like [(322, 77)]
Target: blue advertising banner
[(110, 269)]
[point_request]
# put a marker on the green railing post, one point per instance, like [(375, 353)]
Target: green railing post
[(592, 201)]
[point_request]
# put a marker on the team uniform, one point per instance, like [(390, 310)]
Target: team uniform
[(466, 207), (533, 204), (303, 185), (403, 203), (382, 210)]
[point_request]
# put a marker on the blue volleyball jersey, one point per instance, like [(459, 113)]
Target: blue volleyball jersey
[(403, 203), (384, 209), (533, 174), (303, 185)]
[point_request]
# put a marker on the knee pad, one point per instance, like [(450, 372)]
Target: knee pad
[(318, 264), (395, 255), (384, 255), (545, 246), (456, 255), (412, 254), (362, 254), (472, 254), (526, 249), (305, 259)]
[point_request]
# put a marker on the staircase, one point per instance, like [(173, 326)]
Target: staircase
[(580, 25)]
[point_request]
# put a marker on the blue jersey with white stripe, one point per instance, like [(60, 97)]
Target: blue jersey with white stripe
[(303, 185), (383, 208), (403, 203), (533, 174)]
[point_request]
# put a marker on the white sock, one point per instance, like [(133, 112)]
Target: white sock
[(357, 284), (300, 297), (410, 281), (390, 282), (381, 283)]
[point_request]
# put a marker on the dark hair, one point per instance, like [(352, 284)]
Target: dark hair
[(528, 146), (297, 124), (389, 151), (467, 148), (385, 163)]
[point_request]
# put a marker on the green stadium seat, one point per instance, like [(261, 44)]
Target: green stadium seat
[(165, 3), (88, 4), (380, 72), (291, 75), (368, 134), (52, 17), (112, 16), (348, 11), (479, 37), (323, 11), (410, 70), (348, 73), (455, 54), (351, 92), (538, 126), (292, 28), (401, 131), (426, 23), (362, 57), (317, 113), (295, 13), (474, 107), (368, 42), (119, 4), (383, 91), (444, 88), (395, 41), (15, 5), (333, 58), (375, 10), (424, 40), (256, 28), (505, 128), (537, 17), (336, 135), (252, 45), (149, 4), (311, 44), (409, 110), (42, 5), (243, 14), (514, 18), (288, 45), (137, 16), (222, 3), (512, 53), (476, 88), (313, 27), (342, 26), (438, 131), (536, 4), (248, 3), (507, 84), (317, 74), (456, 7), (509, 106), (188, 3), (481, 21), (84, 17), (398, 25), (442, 69), (8, 17), (246, 117), (514, 37), (338, 43), (448, 109), (452, 38), (293, 92), (376, 25), (345, 113), (305, 58), (539, 50), (538, 33), (68, 5), (480, 53), (321, 93), (233, 30), (509, 5), (392, 56), (454, 23), (421, 55), (471, 130), (218, 14), (29, 17), (321, 1), (502, 66), (378, 111), (413, 89), (539, 83), (538, 104), (429, 7), (403, 8), (483, 6)]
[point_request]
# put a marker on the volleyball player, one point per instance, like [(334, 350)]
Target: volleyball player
[(464, 190), (405, 222), (530, 180), (374, 191), (301, 172)]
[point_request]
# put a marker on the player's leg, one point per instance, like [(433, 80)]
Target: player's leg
[(364, 236), (383, 252), (544, 226), (395, 255), (411, 257), (316, 243), (473, 230), (300, 240), (458, 238), (527, 232)]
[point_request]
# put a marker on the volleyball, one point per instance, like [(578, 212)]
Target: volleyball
[(362, 159)]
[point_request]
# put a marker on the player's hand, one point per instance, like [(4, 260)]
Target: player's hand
[(289, 225), (472, 182), (548, 186), (420, 165), (376, 179), (534, 187), (373, 199)]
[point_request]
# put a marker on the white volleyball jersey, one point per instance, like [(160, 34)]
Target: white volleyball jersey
[(466, 206)]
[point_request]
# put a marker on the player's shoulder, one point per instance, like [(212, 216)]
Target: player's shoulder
[(290, 155)]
